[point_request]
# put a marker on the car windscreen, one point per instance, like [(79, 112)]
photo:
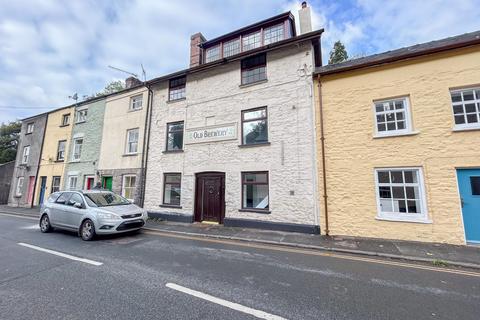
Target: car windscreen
[(105, 199)]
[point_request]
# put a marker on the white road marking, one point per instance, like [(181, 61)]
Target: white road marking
[(63, 255), (235, 306), (31, 227)]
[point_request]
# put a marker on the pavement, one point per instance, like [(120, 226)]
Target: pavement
[(433, 253), (161, 275)]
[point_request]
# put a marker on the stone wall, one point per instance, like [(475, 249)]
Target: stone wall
[(215, 97), (6, 174)]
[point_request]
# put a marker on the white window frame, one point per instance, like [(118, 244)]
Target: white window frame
[(401, 216), (25, 154), (70, 179), (67, 117), (30, 127), (74, 147), (466, 125), (123, 185), (128, 142), (136, 102), (54, 185), (81, 115), (407, 113), (18, 191)]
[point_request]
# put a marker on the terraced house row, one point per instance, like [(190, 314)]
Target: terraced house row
[(258, 133)]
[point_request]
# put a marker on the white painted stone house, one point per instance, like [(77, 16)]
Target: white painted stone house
[(232, 138)]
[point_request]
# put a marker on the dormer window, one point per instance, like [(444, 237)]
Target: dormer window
[(273, 34), (244, 40), (212, 54), (231, 48), (251, 41)]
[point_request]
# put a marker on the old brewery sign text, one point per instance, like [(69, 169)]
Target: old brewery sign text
[(211, 133)]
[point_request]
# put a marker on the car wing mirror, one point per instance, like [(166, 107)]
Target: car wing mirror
[(78, 205)]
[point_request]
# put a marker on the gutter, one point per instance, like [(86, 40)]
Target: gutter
[(146, 142), (402, 57), (322, 144)]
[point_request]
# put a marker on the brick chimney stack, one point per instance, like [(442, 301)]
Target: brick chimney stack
[(195, 50), (132, 82), (305, 18)]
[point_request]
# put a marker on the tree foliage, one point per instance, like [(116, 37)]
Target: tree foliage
[(338, 53), (9, 134), (112, 87)]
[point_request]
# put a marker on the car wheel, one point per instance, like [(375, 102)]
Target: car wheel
[(45, 225), (87, 230)]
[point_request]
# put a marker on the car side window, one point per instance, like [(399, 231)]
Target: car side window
[(53, 197), (74, 199), (63, 198)]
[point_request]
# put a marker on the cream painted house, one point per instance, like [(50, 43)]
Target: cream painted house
[(401, 134), (55, 148), (121, 154)]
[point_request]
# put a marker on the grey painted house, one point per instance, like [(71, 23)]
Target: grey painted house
[(86, 140), (29, 150)]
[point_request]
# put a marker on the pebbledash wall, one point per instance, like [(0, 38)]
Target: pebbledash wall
[(353, 152), (215, 97), (115, 162), (90, 131), (23, 196)]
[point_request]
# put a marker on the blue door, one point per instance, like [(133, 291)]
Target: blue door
[(43, 186), (469, 184)]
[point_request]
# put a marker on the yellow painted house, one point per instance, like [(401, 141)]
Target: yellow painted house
[(398, 138), (54, 152)]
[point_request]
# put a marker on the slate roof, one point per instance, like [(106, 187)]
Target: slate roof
[(464, 40)]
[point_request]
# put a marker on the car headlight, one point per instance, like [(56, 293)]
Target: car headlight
[(108, 216)]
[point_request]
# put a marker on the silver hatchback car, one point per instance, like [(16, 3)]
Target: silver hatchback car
[(91, 212)]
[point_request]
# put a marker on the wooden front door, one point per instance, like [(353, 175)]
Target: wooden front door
[(210, 197)]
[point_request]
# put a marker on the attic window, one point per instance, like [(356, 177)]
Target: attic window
[(212, 54)]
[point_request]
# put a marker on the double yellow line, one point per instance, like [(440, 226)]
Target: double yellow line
[(312, 252), (282, 248)]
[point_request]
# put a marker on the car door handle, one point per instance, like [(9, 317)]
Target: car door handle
[(462, 201)]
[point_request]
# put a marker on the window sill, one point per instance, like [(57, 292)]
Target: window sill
[(28, 133), (254, 145), (134, 110), (404, 219), (130, 154), (64, 125), (172, 151), (393, 135), (59, 161), (176, 100), (78, 122), (170, 206), (252, 84), (255, 211), (458, 129), (73, 161)]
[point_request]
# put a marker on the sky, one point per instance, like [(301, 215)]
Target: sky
[(51, 49)]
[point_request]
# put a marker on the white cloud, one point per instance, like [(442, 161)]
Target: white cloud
[(50, 49)]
